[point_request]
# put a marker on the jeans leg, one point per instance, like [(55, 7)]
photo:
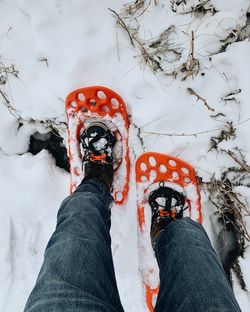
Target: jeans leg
[(77, 274), (192, 278)]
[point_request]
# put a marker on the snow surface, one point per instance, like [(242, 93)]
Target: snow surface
[(83, 46)]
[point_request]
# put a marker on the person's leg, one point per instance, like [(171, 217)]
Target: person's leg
[(192, 278), (78, 274)]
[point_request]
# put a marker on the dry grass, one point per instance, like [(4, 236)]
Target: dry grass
[(200, 9), (229, 132), (160, 52), (156, 52), (136, 8), (5, 70), (229, 204), (237, 34), (175, 4)]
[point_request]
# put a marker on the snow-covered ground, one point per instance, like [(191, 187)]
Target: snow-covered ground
[(57, 46)]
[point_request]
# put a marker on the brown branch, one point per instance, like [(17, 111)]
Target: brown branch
[(182, 134), (44, 59), (243, 206), (124, 26), (234, 157), (117, 45), (8, 105), (8, 70), (192, 51), (226, 201), (242, 223), (193, 134), (200, 8), (192, 92), (145, 9)]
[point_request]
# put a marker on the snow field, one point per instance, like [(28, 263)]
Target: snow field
[(58, 46)]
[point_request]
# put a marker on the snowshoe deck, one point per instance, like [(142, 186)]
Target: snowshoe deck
[(98, 103), (150, 169)]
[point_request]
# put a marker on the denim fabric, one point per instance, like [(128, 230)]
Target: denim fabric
[(78, 273), (191, 274)]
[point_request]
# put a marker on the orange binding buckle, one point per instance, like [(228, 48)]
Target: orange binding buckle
[(171, 214), (97, 157)]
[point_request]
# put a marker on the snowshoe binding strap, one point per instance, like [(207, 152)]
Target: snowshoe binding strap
[(167, 203), (97, 142)]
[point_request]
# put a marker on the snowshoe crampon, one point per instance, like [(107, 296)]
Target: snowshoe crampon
[(152, 169), (91, 104)]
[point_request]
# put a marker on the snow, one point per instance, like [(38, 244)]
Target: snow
[(28, 218), (58, 46)]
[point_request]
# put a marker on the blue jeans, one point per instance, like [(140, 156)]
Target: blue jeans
[(78, 272)]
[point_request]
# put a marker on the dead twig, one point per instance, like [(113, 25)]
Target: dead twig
[(5, 70), (8, 105), (193, 134), (217, 115), (144, 10), (227, 133), (192, 92), (132, 8), (235, 158), (231, 96), (237, 34), (239, 217), (45, 60), (124, 26), (227, 202), (181, 134), (156, 52), (192, 47), (176, 3), (190, 63), (201, 8), (9, 70)]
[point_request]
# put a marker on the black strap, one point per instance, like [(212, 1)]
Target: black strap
[(168, 194)]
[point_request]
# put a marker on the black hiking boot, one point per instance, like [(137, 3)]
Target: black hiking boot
[(97, 143), (167, 205)]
